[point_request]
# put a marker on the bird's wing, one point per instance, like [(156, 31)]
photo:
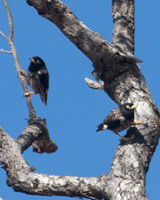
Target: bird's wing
[(44, 79), (113, 119)]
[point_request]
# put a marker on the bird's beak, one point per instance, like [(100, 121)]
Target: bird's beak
[(32, 60), (132, 107)]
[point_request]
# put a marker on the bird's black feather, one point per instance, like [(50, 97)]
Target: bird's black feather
[(119, 119), (38, 77)]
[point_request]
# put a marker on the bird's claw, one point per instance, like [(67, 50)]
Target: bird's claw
[(22, 72), (28, 93)]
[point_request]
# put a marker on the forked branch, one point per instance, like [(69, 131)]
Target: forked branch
[(123, 82), (36, 133), (13, 51)]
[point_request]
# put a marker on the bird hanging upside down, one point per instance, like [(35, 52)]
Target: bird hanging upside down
[(38, 78), (120, 119)]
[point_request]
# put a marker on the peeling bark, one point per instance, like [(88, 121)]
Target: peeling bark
[(123, 81)]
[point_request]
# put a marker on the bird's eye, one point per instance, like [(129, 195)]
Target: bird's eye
[(38, 61)]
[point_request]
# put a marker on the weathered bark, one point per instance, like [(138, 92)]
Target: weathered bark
[(123, 18), (123, 82), (21, 177), (95, 47), (36, 133)]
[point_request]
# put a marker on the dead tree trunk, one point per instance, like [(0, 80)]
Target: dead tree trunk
[(123, 81)]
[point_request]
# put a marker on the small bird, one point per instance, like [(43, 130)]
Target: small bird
[(38, 78), (119, 119)]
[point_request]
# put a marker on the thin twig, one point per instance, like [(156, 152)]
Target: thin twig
[(94, 84), (4, 51), (32, 113), (3, 35), (10, 20), (42, 144)]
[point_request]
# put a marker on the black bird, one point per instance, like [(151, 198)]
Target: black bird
[(38, 78), (119, 119)]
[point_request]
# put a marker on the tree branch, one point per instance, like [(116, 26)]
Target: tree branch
[(123, 82), (95, 47), (3, 35), (22, 179), (9, 20), (37, 134), (4, 51), (123, 18), (32, 113), (94, 84)]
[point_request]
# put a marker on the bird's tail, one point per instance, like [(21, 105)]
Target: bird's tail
[(44, 99), (101, 127)]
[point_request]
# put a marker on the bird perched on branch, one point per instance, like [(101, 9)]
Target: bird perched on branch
[(120, 119), (38, 78)]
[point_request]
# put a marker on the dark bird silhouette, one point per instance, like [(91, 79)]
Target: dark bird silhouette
[(38, 78), (119, 119)]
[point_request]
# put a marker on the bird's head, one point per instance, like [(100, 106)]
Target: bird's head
[(37, 60), (128, 110)]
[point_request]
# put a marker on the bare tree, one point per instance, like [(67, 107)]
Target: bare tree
[(122, 80)]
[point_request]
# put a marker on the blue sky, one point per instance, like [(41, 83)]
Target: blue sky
[(73, 109)]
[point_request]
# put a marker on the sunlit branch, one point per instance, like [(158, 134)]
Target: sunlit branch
[(42, 144), (94, 84), (4, 51), (3, 35), (17, 64), (9, 19)]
